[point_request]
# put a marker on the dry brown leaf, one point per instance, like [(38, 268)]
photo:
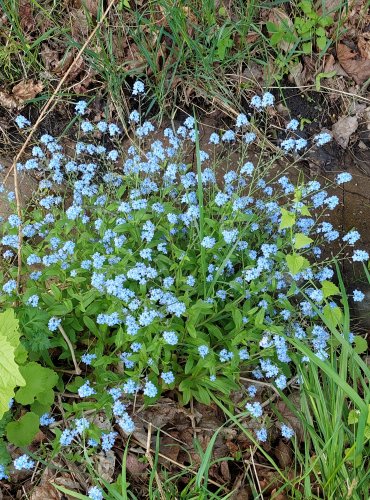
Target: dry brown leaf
[(283, 453), (26, 89), (8, 101), (27, 21), (104, 464), (279, 17), (79, 25), (133, 465), (355, 66), (343, 129), (289, 416), (45, 492), (363, 45)]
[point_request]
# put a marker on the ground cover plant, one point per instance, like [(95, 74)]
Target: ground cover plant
[(140, 272)]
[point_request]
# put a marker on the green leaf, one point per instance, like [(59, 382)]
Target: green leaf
[(360, 344), (38, 381), (307, 47), (333, 316), (296, 263), (10, 375), (329, 289), (301, 240), (22, 432), (321, 42), (353, 417), (306, 6), (287, 219)]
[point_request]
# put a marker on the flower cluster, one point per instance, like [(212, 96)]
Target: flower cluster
[(168, 271)]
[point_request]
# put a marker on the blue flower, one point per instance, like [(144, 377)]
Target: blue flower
[(267, 99), (252, 391), (287, 432), (10, 286), (230, 236), (208, 242), (255, 409), (343, 177), (150, 389), (22, 121), (24, 462), (256, 102), (170, 338), (108, 440), (95, 493), (241, 120), (358, 296), (228, 136), (88, 358), (127, 424), (323, 138), (168, 377), (138, 88), (214, 138), (203, 351), (2, 473), (81, 425), (54, 323), (292, 125), (80, 108), (351, 237), (261, 434), (86, 390), (46, 419), (360, 256)]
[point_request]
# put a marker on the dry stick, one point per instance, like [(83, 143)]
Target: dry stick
[(33, 130), (70, 347)]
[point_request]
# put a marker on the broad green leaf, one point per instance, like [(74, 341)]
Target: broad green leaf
[(301, 240), (10, 375), (329, 288), (353, 417), (360, 344), (296, 263), (39, 380), (22, 432), (287, 219)]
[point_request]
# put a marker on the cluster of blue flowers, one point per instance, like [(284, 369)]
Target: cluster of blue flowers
[(174, 290)]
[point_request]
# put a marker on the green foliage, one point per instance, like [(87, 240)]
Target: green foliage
[(39, 385), (22, 431), (10, 374)]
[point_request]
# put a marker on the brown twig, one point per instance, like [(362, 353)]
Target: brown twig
[(47, 106)]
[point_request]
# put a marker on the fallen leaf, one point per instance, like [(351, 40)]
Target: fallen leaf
[(45, 491), (289, 416), (26, 89), (104, 465), (283, 453), (363, 45), (8, 101), (133, 465), (26, 19), (354, 65), (343, 129)]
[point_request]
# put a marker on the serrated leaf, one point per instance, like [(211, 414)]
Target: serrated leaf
[(287, 219), (301, 241), (360, 345), (296, 263), (329, 288), (22, 432)]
